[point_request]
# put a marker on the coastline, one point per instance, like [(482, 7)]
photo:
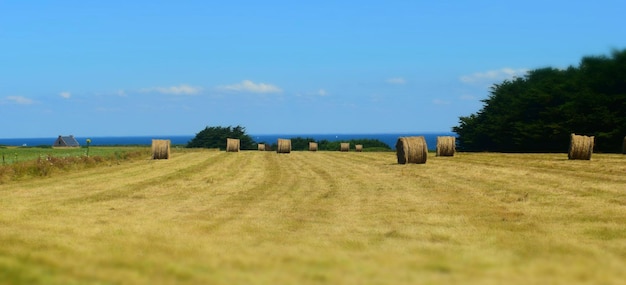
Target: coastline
[(388, 138)]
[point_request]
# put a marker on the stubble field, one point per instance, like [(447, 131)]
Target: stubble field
[(210, 217)]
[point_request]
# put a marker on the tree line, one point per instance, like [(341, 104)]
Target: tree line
[(538, 112), (215, 137)]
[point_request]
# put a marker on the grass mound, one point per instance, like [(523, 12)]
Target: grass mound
[(46, 165)]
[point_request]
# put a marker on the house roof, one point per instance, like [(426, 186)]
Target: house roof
[(66, 141)]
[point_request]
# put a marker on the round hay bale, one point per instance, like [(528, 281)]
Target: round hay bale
[(284, 146), (232, 145), (411, 150), (581, 147), (160, 149), (358, 147), (344, 147), (446, 146), (312, 146), (261, 147)]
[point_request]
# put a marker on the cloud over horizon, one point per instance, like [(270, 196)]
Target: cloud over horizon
[(396, 81), (249, 86), (440, 102), (493, 75), (21, 100), (182, 89)]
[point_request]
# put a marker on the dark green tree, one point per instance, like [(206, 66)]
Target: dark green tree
[(215, 137), (368, 145), (300, 143), (538, 112)]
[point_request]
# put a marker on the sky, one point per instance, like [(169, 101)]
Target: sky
[(141, 68)]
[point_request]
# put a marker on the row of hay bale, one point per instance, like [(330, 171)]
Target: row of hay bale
[(284, 146), (408, 149), (345, 147), (415, 150)]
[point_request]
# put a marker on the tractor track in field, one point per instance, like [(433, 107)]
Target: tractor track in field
[(152, 173)]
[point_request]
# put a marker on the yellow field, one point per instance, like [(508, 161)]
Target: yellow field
[(209, 217)]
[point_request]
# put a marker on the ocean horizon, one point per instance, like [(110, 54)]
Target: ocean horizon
[(388, 138)]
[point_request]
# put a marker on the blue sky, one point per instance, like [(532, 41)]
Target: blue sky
[(120, 68)]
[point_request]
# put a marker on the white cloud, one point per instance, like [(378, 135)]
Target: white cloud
[(249, 86), (20, 100), (121, 93), (396, 81), (182, 89), (109, 110), (65, 94), (313, 94), (440, 102), (376, 98), (493, 75), (467, 97)]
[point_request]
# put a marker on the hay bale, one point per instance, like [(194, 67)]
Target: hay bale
[(411, 150), (284, 146), (446, 146), (312, 146), (581, 147), (358, 147), (160, 149), (261, 147), (344, 147), (232, 145)]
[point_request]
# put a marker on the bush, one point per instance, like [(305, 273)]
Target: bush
[(215, 137)]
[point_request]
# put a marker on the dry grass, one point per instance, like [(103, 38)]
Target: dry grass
[(206, 217)]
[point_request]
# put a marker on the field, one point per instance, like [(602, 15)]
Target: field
[(211, 217)]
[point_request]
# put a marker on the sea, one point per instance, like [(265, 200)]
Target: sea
[(390, 139)]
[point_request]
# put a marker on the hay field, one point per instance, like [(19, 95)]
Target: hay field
[(210, 217)]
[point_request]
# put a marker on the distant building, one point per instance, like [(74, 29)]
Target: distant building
[(68, 141)]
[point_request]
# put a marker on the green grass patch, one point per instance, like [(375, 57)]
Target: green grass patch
[(23, 162)]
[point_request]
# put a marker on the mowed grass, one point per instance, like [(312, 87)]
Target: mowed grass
[(210, 217)]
